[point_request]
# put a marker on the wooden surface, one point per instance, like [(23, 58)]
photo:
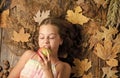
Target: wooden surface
[(6, 50), (22, 11)]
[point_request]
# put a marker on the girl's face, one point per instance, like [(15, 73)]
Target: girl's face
[(49, 37)]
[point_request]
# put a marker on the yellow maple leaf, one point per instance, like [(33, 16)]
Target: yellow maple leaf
[(76, 17), (117, 39), (109, 73), (81, 67), (41, 16), (112, 62), (106, 33), (88, 76), (21, 36), (107, 50)]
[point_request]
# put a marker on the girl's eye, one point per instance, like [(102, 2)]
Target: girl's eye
[(52, 36), (41, 37)]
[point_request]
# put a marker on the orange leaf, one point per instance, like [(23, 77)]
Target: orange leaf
[(80, 1), (112, 62), (99, 51), (106, 33), (21, 36), (107, 50), (109, 73), (76, 17), (3, 18), (117, 39), (81, 67), (88, 76)]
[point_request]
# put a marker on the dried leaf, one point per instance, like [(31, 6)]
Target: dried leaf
[(112, 62), (80, 1), (41, 16), (3, 18), (76, 17), (109, 73), (106, 33), (21, 36), (93, 27), (88, 76), (99, 2), (107, 50), (93, 41), (81, 67), (117, 39)]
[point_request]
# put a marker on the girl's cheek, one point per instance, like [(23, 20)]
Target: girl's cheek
[(40, 43)]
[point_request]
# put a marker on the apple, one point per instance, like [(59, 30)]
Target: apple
[(45, 51)]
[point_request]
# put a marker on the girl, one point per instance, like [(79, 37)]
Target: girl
[(53, 34)]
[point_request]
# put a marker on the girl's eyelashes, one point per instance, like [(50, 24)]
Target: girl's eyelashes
[(41, 36), (52, 37), (49, 37)]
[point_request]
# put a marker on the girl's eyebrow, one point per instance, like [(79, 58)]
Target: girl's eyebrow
[(49, 34)]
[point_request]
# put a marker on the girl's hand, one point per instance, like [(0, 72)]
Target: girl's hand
[(46, 66), (45, 61)]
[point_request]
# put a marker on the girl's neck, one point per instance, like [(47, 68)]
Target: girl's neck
[(54, 60)]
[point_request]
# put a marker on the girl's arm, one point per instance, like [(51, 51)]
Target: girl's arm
[(15, 73)]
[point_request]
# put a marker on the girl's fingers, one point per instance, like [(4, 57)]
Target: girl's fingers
[(44, 58), (45, 61), (48, 56)]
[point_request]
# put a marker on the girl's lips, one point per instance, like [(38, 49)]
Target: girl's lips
[(46, 46)]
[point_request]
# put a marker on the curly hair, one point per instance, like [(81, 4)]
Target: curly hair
[(4, 4), (69, 33)]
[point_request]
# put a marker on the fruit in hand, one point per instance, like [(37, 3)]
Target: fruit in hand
[(45, 51)]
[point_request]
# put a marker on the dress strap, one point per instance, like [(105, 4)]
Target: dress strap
[(33, 55), (54, 69), (56, 63)]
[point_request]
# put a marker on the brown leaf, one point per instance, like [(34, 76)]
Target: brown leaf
[(76, 17), (88, 76), (117, 39), (106, 51), (112, 62), (99, 2), (21, 36), (3, 18), (81, 67), (109, 72), (80, 1), (106, 34), (93, 27), (93, 41)]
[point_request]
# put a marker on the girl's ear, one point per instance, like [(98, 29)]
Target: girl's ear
[(61, 42)]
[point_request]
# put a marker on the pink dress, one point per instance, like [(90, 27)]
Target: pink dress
[(32, 69)]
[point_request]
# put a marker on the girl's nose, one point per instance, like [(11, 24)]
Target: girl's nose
[(46, 41)]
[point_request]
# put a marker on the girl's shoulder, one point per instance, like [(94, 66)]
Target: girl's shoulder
[(63, 69), (28, 54), (63, 65)]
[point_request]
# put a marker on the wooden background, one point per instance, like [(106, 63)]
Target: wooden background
[(21, 14)]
